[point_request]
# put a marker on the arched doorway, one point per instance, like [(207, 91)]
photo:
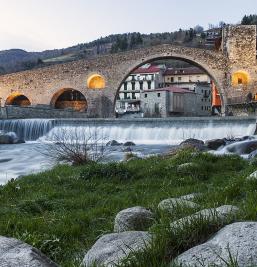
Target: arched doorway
[(135, 90), (69, 99), (17, 99)]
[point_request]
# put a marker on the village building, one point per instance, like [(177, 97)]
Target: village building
[(168, 101), (147, 77)]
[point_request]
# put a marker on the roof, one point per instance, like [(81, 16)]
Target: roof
[(172, 89), (150, 69), (184, 71)]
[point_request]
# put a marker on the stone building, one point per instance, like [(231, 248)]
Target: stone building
[(147, 77), (168, 101), (193, 79), (203, 93)]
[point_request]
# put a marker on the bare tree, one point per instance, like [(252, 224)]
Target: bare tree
[(77, 146)]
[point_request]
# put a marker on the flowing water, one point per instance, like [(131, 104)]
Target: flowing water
[(151, 136)]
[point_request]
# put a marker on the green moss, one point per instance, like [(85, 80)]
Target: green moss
[(64, 211)]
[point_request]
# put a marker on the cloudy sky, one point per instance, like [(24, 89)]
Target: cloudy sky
[(36, 25)]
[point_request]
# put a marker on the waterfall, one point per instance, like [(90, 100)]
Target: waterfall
[(150, 134), (27, 129), (154, 131)]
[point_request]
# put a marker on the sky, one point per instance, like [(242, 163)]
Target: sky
[(36, 25)]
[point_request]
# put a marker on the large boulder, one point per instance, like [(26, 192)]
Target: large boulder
[(220, 214), (129, 143), (215, 143), (193, 143), (133, 219), (237, 242), (244, 147), (113, 143), (10, 138), (14, 253), (171, 204), (110, 249)]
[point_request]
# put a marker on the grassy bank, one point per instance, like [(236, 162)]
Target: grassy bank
[(63, 211)]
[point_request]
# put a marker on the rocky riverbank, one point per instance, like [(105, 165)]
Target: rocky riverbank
[(160, 211)]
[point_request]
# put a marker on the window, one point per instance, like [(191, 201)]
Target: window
[(133, 95), (145, 95), (179, 78), (149, 84), (125, 96), (141, 85), (133, 85), (159, 94), (125, 86), (172, 79), (202, 107)]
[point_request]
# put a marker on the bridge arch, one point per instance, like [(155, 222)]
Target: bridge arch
[(69, 98), (215, 75), (17, 99)]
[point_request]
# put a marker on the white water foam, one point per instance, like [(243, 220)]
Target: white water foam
[(145, 134)]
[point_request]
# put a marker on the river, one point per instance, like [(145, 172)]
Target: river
[(151, 136)]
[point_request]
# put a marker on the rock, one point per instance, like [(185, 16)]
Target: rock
[(243, 147), (221, 214), (14, 253), (215, 143), (193, 143), (5, 139), (133, 219), (172, 204), (190, 196), (237, 240), (10, 138), (129, 143), (110, 249), (113, 143), (252, 177)]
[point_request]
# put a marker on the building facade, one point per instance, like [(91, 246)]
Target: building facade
[(147, 77), (185, 77), (168, 101)]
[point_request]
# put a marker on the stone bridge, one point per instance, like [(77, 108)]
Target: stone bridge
[(233, 69)]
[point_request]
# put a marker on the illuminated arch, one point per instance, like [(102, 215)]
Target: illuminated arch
[(17, 99), (69, 98), (95, 81), (240, 77)]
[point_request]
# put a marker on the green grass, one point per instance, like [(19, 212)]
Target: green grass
[(65, 210)]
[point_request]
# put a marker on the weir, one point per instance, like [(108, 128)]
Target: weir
[(141, 131)]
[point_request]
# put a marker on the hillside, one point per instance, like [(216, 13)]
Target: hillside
[(17, 60)]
